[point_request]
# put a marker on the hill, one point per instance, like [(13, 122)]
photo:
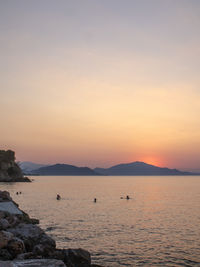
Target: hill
[(139, 168), (28, 166), (64, 169)]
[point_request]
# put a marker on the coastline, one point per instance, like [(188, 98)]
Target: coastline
[(9, 169), (23, 242)]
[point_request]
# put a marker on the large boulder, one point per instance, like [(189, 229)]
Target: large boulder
[(10, 207), (5, 196), (4, 224), (5, 255), (5, 237), (43, 250), (73, 257), (77, 257), (16, 246), (27, 231), (32, 235)]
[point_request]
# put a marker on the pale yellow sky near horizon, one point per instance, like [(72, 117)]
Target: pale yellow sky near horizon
[(101, 83)]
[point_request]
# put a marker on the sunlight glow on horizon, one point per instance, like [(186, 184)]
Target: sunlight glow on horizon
[(101, 83)]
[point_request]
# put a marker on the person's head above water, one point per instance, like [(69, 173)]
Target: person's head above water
[(58, 196)]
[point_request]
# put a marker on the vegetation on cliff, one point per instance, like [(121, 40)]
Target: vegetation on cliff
[(9, 170)]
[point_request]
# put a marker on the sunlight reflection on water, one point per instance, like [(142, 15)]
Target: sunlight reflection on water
[(159, 225)]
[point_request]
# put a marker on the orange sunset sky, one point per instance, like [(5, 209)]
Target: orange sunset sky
[(98, 83)]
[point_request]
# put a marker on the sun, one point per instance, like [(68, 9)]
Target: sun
[(153, 161)]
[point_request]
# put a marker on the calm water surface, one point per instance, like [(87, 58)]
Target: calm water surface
[(158, 226)]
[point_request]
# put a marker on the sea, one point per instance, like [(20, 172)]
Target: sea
[(158, 226)]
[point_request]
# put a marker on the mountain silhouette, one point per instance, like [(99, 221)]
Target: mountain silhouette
[(64, 169), (139, 168), (134, 168), (28, 166)]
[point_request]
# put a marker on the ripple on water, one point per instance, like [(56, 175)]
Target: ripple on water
[(159, 227)]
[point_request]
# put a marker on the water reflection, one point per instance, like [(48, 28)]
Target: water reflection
[(159, 225)]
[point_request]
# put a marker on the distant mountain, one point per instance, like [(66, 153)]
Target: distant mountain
[(28, 166), (134, 168), (64, 169), (139, 168), (191, 170)]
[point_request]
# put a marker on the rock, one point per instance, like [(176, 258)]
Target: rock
[(73, 257), (24, 218), (25, 256), (44, 250), (59, 254), (10, 207), (12, 220), (33, 263), (47, 240), (39, 250), (9, 170), (27, 231), (5, 237), (4, 224), (5, 255), (2, 214), (32, 235), (4, 195), (77, 257), (15, 246), (28, 256), (28, 245), (34, 221)]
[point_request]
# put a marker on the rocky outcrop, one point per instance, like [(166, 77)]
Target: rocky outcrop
[(9, 170), (24, 243), (33, 263)]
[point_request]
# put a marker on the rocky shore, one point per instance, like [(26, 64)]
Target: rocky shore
[(9, 170), (24, 244)]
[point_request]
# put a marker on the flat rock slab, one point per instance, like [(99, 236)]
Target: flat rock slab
[(10, 207), (33, 263)]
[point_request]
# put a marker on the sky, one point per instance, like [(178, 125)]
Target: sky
[(101, 82)]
